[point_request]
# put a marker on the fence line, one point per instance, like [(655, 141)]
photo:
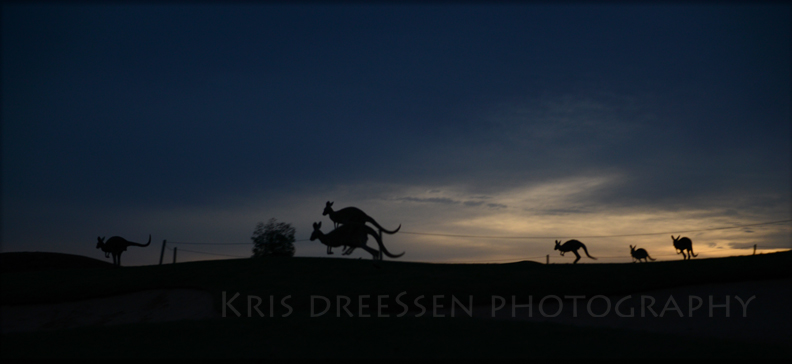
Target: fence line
[(509, 237), (189, 243), (207, 253), (513, 260), (186, 243)]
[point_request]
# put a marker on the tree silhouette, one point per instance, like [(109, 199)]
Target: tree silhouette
[(274, 239)]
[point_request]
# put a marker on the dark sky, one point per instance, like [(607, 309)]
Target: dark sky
[(193, 123)]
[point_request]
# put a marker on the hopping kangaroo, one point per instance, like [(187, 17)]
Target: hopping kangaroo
[(352, 215), (116, 245), (639, 254), (353, 236), (683, 244), (572, 246)]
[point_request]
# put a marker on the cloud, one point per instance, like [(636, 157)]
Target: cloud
[(473, 203), (747, 245), (497, 205), (441, 200), (450, 201), (572, 120)]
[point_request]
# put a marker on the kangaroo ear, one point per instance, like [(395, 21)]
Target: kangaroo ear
[(319, 224)]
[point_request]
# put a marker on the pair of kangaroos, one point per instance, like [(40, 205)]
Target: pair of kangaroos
[(351, 232), (680, 245), (115, 246)]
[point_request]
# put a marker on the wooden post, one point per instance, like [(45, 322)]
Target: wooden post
[(174, 254), (754, 249), (548, 258), (162, 252)]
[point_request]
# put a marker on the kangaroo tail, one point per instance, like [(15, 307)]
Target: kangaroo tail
[(586, 250), (389, 232), (382, 246), (650, 258), (382, 229), (691, 253), (138, 244)]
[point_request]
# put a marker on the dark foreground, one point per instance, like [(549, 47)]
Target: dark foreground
[(369, 338), (394, 331)]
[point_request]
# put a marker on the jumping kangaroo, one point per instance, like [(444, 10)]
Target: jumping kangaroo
[(353, 236), (683, 244), (639, 254), (350, 215), (573, 246), (116, 245)]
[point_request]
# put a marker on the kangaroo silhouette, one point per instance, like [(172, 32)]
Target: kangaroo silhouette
[(639, 254), (353, 236), (354, 232), (572, 246), (352, 215), (683, 244), (116, 245)]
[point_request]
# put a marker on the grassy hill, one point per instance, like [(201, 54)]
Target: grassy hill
[(38, 261), (302, 277), (302, 336)]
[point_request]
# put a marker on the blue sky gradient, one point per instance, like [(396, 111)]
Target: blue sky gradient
[(193, 123)]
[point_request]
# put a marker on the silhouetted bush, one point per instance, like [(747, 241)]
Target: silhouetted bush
[(274, 239)]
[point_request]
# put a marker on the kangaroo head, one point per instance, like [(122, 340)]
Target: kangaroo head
[(632, 249), (316, 232), (328, 208), (558, 244), (100, 242), (675, 239)]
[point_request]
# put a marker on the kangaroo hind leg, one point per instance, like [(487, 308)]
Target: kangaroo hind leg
[(375, 254)]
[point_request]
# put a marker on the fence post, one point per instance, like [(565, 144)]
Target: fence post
[(162, 252), (548, 258), (174, 254), (754, 249)]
